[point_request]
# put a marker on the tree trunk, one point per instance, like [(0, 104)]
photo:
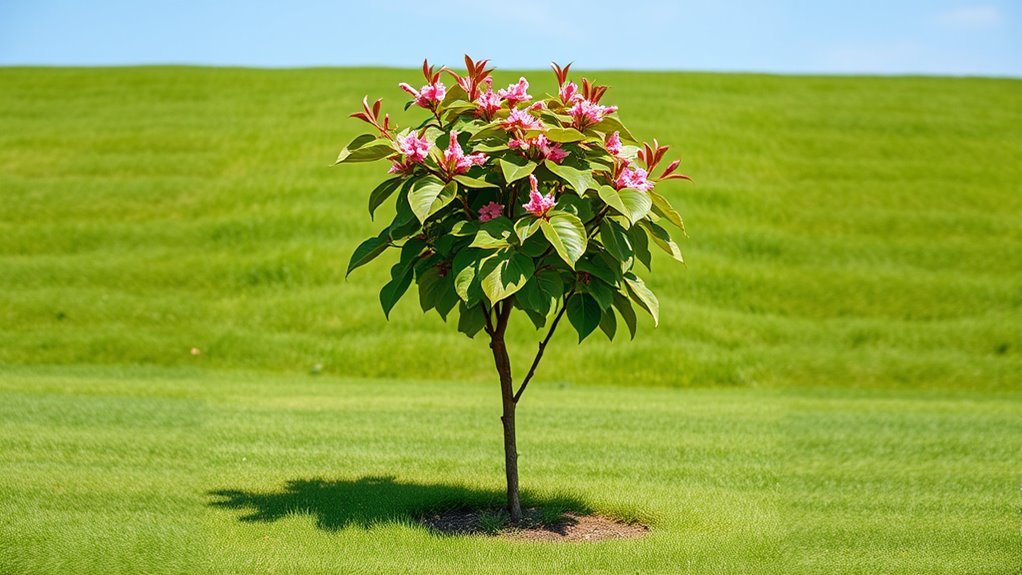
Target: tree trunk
[(503, 363)]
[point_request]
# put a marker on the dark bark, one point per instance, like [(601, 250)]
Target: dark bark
[(507, 418)]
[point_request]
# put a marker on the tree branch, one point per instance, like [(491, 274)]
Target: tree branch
[(542, 347)]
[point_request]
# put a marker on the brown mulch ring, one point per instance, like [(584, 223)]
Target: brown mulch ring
[(566, 527)]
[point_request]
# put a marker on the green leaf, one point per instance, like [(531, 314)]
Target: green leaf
[(624, 307), (366, 148), (492, 237), (431, 288), (504, 274), (663, 240), (525, 227), (516, 169), (584, 314), (664, 209), (609, 125), (579, 180), (428, 195), (566, 234), (640, 245), (596, 267), (642, 295), (400, 278), (615, 240), (475, 183), (381, 193), (463, 228), (454, 93), (471, 319), (608, 324), (612, 198), (637, 203), (564, 135), (367, 252), (466, 275)]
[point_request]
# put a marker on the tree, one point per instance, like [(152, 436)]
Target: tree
[(505, 203)]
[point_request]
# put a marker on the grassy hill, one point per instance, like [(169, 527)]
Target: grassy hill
[(844, 231), (834, 387)]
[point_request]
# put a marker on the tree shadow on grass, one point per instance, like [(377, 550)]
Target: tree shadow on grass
[(370, 501)]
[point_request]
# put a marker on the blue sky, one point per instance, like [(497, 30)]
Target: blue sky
[(877, 37)]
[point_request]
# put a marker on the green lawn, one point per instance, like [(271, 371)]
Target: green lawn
[(169, 471), (834, 387)]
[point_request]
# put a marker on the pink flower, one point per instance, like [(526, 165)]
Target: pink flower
[(488, 103), (550, 150), (517, 143), (403, 168), (521, 119), (614, 144), (634, 178), (413, 147), (490, 211), (516, 93), (538, 204), (428, 96), (586, 113), (568, 92), (455, 159)]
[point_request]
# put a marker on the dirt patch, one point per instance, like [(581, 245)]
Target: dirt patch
[(536, 526)]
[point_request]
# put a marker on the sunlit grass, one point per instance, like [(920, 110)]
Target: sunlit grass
[(847, 231), (155, 471)]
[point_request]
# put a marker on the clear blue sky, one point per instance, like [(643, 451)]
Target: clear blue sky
[(885, 37)]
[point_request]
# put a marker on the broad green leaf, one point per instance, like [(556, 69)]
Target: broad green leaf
[(431, 287), (601, 292), (471, 319), (612, 198), (367, 252), (615, 240), (490, 239), (381, 193), (504, 274), (597, 268), (664, 209), (624, 307), (640, 245), (579, 180), (564, 135), (454, 93), (466, 275), (525, 227), (609, 125), (637, 203), (516, 169), (474, 182), (642, 295), (366, 148), (608, 324), (464, 228), (491, 147), (400, 278), (566, 234), (428, 195), (663, 240), (584, 314)]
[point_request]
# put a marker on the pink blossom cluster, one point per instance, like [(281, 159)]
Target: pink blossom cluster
[(539, 205), (456, 161), (585, 113), (547, 150), (635, 178), (428, 96), (613, 144), (569, 92), (521, 119), (413, 147), (489, 103), (516, 93), (490, 211)]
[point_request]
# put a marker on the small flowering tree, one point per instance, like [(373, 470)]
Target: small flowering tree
[(508, 202)]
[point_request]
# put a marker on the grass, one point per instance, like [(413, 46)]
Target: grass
[(168, 471), (858, 232), (834, 386)]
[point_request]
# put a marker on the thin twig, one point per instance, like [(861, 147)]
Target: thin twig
[(542, 347)]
